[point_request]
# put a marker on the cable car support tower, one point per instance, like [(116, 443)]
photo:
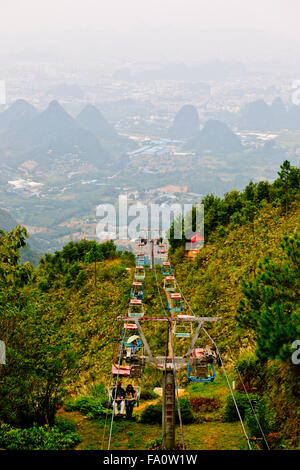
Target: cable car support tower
[(168, 364)]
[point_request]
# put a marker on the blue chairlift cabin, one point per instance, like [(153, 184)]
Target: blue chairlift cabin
[(136, 291), (129, 338), (201, 368), (166, 269), (175, 303)]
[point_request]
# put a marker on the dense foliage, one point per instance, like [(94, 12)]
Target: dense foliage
[(58, 321), (153, 413), (45, 351), (37, 438), (94, 405), (270, 306), (238, 208), (248, 273)]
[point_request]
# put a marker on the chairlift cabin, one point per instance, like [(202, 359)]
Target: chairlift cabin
[(175, 303), (169, 283), (193, 247), (136, 308), (130, 327), (166, 268), (129, 338), (139, 273), (183, 329), (129, 370), (160, 247), (201, 368), (134, 356), (136, 291), (140, 257), (162, 252), (137, 389)]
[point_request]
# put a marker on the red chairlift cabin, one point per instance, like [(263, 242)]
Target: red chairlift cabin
[(195, 244)]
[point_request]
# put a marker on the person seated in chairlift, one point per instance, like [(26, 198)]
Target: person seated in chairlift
[(130, 400), (118, 396), (133, 348)]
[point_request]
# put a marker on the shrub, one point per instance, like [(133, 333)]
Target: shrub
[(251, 370), (230, 414), (186, 409), (153, 413), (99, 391), (68, 280), (44, 285), (263, 418), (64, 424), (148, 394), (205, 403), (81, 278), (155, 444), (93, 405), (74, 270), (37, 438), (90, 406)]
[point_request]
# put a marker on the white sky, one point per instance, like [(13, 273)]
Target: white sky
[(173, 29)]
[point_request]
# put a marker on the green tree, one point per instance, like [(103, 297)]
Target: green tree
[(93, 256), (284, 175), (12, 273), (40, 351), (270, 306)]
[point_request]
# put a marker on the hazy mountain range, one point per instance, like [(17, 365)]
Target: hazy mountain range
[(215, 137), (27, 134), (186, 123), (258, 115)]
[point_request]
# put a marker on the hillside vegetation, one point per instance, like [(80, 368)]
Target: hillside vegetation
[(59, 325), (249, 274)]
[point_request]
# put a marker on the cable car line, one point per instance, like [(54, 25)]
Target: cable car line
[(113, 403), (225, 373), (250, 402), (202, 358), (174, 368)]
